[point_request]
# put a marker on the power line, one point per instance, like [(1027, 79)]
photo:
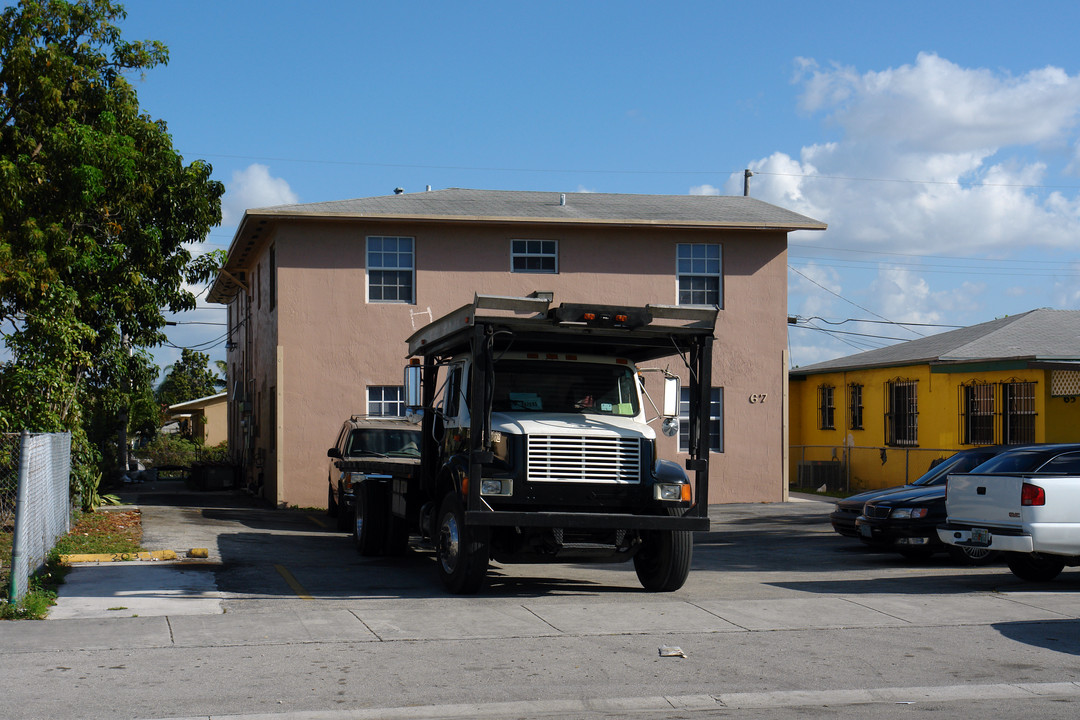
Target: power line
[(887, 320)]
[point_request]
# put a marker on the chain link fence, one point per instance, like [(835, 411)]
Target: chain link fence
[(35, 504), (846, 469)]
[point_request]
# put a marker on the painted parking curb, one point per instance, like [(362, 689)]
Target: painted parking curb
[(152, 555)]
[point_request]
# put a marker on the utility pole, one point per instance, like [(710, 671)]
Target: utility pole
[(747, 174)]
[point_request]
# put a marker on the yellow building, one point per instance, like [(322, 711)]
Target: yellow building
[(882, 417), (205, 419)]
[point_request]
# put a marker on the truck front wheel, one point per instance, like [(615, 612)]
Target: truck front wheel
[(663, 561), (462, 559), (1034, 567)]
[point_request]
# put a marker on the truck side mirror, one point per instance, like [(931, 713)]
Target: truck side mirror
[(670, 425), (413, 399), (671, 397)]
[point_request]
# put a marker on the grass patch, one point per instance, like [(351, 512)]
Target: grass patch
[(111, 532)]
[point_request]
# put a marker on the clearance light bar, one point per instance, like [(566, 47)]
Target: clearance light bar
[(601, 315)]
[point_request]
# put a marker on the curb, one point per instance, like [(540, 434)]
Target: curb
[(152, 556)]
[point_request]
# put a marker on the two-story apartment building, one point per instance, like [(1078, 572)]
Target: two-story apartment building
[(322, 296), (881, 417)]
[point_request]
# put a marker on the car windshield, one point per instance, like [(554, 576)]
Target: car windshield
[(958, 463), (386, 442), (564, 387)]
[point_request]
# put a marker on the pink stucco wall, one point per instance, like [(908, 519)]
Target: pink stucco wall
[(333, 344)]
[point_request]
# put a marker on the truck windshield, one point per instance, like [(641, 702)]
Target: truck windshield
[(564, 387)]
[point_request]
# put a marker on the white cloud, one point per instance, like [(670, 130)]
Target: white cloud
[(704, 190), (253, 187)]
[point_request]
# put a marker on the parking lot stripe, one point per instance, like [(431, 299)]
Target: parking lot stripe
[(293, 583)]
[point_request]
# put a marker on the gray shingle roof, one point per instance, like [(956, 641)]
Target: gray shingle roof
[(519, 206), (1037, 335)]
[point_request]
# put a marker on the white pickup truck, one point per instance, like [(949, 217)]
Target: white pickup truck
[(1026, 503)]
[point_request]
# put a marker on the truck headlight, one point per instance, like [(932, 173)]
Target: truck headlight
[(671, 492), (497, 486)]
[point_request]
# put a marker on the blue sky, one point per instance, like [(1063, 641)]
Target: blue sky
[(940, 141)]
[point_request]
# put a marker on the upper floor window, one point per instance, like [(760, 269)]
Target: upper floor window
[(534, 256), (700, 278), (855, 406), (386, 400), (391, 269), (902, 412), (826, 408), (716, 419)]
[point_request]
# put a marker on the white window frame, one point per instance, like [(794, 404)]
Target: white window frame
[(397, 266), (529, 252), (716, 419), (694, 261), (384, 398)]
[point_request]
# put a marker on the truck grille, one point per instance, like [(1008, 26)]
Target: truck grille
[(873, 511), (566, 458)]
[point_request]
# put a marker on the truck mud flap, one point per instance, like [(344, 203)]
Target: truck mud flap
[(585, 520)]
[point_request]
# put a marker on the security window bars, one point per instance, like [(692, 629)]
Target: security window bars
[(902, 413), (826, 409), (534, 256), (978, 412), (855, 407), (386, 400), (390, 269), (1018, 400), (699, 270), (716, 420)]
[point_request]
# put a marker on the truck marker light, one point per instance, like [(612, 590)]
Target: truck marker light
[(552, 356), (621, 318), (685, 492), (589, 316), (571, 357)]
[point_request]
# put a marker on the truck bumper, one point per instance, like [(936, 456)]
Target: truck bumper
[(598, 521), (962, 537)]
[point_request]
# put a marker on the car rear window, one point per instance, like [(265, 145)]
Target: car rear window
[(1020, 461)]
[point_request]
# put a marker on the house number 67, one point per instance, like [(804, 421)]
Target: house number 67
[(757, 398)]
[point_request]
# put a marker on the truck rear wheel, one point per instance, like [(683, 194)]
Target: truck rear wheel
[(1034, 567), (663, 561), (462, 559), (369, 519)]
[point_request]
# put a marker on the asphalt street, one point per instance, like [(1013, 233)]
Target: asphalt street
[(780, 617)]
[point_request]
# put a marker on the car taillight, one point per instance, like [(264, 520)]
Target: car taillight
[(1032, 495)]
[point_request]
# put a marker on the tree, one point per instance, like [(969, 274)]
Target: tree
[(189, 379), (97, 212)]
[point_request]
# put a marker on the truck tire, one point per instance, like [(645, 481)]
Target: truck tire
[(462, 559), (663, 561), (369, 520), (1034, 567)]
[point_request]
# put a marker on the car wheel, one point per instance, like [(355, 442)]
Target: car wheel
[(331, 499), (662, 563), (462, 559), (1034, 567), (369, 520), (972, 555)]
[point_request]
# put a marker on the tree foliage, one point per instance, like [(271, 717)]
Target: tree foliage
[(189, 379), (97, 212)]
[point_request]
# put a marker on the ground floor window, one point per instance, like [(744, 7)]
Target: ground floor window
[(977, 411), (1018, 400), (826, 408), (855, 407), (386, 401), (902, 412), (716, 420)]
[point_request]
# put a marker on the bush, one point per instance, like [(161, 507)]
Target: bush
[(169, 450)]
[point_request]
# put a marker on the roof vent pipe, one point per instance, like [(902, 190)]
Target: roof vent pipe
[(428, 188), (562, 198), (398, 191)]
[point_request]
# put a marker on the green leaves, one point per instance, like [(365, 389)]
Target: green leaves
[(98, 213)]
